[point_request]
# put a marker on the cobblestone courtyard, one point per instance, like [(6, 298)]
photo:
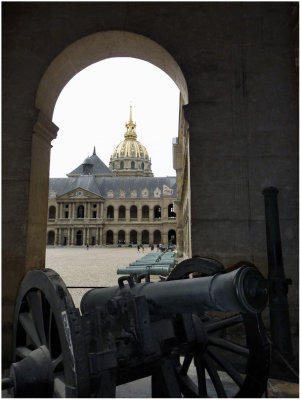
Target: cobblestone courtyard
[(95, 267)]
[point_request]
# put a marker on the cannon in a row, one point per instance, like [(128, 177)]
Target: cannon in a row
[(151, 263), (132, 331), (136, 270)]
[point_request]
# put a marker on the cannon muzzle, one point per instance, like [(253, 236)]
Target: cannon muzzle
[(242, 290)]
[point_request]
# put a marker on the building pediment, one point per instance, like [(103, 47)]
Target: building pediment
[(79, 193)]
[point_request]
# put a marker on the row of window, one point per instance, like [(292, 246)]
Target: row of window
[(121, 165), (133, 238), (80, 212)]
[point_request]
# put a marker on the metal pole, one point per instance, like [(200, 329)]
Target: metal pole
[(278, 285)]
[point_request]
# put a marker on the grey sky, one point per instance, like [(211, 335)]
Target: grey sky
[(94, 106)]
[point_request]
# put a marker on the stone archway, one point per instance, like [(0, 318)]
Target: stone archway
[(71, 60), (96, 47), (74, 58)]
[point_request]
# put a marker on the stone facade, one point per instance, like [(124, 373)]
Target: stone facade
[(80, 217), (96, 206)]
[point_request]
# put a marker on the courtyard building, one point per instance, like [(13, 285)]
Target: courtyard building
[(121, 205)]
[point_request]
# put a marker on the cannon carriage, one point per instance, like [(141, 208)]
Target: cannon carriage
[(140, 329)]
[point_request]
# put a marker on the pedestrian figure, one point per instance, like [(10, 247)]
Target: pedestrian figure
[(152, 247), (138, 248), (87, 246), (158, 247), (142, 247)]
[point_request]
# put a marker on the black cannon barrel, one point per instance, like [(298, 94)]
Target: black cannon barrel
[(241, 290)]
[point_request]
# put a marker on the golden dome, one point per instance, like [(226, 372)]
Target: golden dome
[(130, 147)]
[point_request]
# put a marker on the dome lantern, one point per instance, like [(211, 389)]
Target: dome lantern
[(130, 133)]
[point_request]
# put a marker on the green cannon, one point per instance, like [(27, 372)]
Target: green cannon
[(243, 290), (151, 263), (157, 269), (132, 331)]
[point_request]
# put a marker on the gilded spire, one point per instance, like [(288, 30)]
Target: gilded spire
[(131, 114), (130, 128)]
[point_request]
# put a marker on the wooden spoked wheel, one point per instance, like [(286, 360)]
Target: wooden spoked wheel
[(233, 359), (45, 316)]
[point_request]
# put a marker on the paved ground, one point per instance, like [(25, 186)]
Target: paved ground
[(95, 267)]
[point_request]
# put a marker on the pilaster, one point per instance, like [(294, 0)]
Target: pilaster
[(44, 131), (127, 214), (151, 214), (115, 237), (139, 213), (127, 237)]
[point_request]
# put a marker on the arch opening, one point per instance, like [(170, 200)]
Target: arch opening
[(80, 55), (110, 212), (157, 212), (80, 212), (157, 237), (133, 237), (121, 212), (133, 212), (109, 237), (145, 212), (79, 238), (50, 238), (121, 237), (145, 237), (172, 237), (171, 211)]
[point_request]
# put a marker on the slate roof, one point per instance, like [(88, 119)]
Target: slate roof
[(102, 185), (99, 168)]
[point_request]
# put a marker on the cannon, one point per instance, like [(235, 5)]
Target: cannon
[(137, 330), (135, 270), (153, 264)]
